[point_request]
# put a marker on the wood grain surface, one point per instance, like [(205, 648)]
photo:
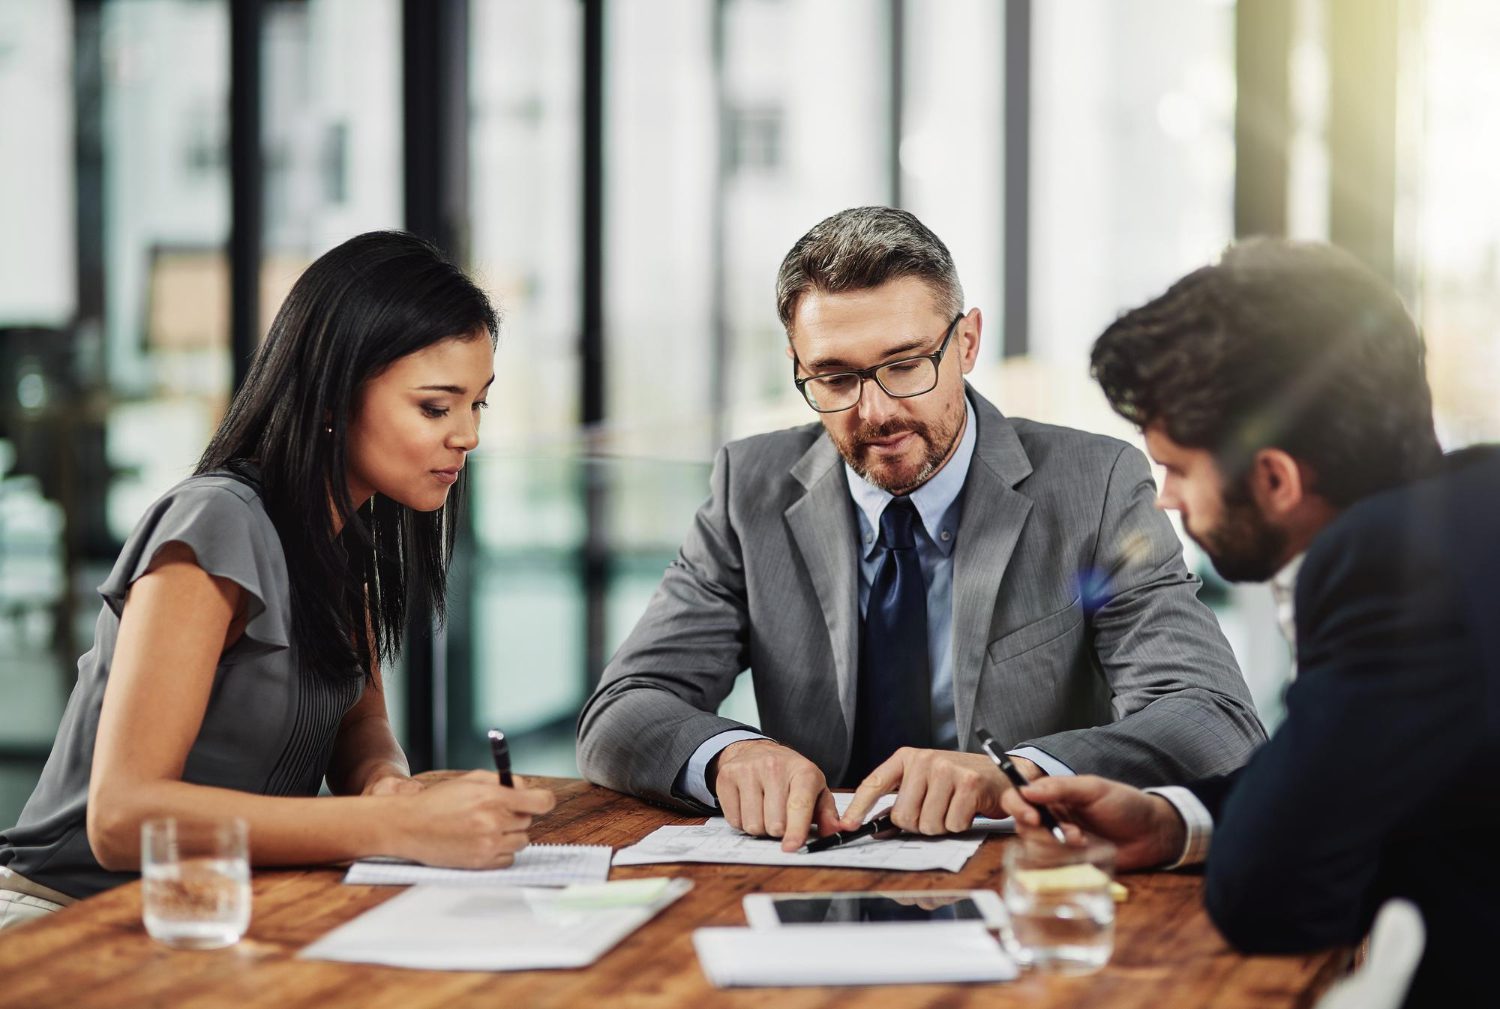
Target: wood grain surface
[(97, 954)]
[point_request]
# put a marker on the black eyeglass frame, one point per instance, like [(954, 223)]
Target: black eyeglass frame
[(866, 374)]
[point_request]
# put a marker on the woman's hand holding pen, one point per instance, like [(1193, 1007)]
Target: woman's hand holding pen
[(467, 822), (393, 784), (1144, 828)]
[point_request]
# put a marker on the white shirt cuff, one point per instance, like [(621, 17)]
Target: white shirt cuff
[(1198, 820), (693, 779), (1044, 760)]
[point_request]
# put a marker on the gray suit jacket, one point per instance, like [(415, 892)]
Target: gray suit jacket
[(1077, 628)]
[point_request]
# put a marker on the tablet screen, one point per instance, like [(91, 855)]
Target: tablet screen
[(862, 907)]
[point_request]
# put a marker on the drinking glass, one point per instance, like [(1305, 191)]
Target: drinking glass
[(1062, 914), (195, 881)]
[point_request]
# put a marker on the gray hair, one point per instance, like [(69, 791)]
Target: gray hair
[(864, 247)]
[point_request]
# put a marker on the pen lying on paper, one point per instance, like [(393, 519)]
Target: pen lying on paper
[(501, 752), (987, 743), (874, 826)]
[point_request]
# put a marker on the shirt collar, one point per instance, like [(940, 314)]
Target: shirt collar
[(936, 500), (1284, 592)]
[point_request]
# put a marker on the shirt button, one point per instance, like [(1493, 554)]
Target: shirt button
[(869, 539), (946, 536)]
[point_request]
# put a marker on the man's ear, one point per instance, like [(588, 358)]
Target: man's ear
[(969, 332), (1279, 483)]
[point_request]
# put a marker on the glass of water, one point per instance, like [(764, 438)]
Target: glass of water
[(1062, 914), (195, 879)]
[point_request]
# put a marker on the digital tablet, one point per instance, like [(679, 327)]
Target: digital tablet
[(773, 910)]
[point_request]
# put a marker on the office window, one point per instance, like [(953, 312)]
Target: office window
[(517, 641), (39, 378), (166, 221), (37, 271), (331, 126), (1449, 212), (823, 65), (953, 144)]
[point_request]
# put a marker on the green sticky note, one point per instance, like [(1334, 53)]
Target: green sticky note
[(620, 893)]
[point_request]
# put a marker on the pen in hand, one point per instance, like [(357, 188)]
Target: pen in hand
[(501, 752), (837, 838), (1002, 761)]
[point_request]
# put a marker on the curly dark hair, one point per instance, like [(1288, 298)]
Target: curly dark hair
[(1296, 346)]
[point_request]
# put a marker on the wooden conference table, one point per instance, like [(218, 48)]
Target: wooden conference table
[(97, 954)]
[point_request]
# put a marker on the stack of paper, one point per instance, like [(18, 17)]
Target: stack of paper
[(851, 955), (538, 865)]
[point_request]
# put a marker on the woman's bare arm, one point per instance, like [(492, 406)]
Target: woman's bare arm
[(176, 623)]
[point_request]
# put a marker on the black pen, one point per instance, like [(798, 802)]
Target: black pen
[(987, 742), (837, 838), (501, 753)]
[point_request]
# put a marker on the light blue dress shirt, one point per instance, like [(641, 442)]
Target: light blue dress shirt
[(937, 504)]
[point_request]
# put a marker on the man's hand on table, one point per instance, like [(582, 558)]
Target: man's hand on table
[(940, 791), (766, 789), (1144, 828)]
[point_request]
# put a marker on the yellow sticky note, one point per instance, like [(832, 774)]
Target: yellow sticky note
[(1063, 878)]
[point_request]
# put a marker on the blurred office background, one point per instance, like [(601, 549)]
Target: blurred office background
[(624, 176)]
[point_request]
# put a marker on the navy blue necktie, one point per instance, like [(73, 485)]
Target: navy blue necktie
[(893, 702)]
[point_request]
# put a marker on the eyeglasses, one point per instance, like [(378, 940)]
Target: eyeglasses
[(903, 379)]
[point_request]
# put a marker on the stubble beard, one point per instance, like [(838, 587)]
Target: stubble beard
[(937, 442), (1243, 547)]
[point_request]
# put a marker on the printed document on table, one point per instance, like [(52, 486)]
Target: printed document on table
[(982, 824), (537, 865), (711, 843), (488, 928), (716, 841)]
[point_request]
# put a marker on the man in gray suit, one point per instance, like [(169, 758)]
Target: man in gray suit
[(914, 567)]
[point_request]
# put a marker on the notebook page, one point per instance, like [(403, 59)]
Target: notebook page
[(536, 865)]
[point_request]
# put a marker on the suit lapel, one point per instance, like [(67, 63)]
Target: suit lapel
[(822, 526), (988, 529)]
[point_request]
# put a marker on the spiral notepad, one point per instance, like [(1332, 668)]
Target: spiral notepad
[(537, 865)]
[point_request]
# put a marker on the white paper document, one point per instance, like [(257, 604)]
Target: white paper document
[(851, 955), (716, 841), (537, 865), (488, 928), (983, 824), (841, 800), (710, 843)]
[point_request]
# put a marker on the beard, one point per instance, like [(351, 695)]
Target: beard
[(897, 476), (1243, 546)]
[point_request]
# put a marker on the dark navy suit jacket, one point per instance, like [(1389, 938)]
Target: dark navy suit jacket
[(1384, 780)]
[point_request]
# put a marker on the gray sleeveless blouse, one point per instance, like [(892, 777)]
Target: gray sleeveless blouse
[(268, 729)]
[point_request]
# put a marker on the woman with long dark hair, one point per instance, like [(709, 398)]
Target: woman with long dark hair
[(237, 657)]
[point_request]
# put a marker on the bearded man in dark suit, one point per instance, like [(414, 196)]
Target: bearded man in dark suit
[(1283, 391)]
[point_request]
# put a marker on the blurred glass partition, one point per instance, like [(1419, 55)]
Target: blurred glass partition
[(804, 131), (164, 98), (517, 642), (37, 275), (952, 150), (331, 125), (526, 617), (113, 314)]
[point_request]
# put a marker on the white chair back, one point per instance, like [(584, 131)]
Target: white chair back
[(1396, 943)]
